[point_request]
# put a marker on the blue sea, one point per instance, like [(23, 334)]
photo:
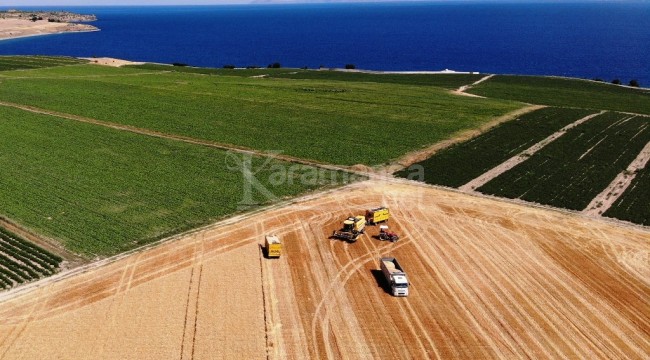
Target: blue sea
[(604, 40)]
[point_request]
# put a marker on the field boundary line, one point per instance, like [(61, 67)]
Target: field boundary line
[(523, 156), (181, 138), (462, 90), (603, 201), (411, 158)]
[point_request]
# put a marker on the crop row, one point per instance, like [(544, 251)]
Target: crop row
[(572, 170), (634, 204), (459, 164), (22, 261)]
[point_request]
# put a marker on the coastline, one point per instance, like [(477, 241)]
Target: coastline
[(11, 29)]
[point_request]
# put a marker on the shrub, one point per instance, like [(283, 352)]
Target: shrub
[(350, 66), (229, 66), (634, 83)]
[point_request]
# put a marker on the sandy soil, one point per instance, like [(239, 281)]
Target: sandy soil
[(16, 28), (490, 279), (603, 201), (523, 156), (106, 61)]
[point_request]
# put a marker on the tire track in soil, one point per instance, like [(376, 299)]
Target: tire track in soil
[(122, 287), (336, 286), (190, 287), (468, 307), (406, 309), (196, 311), (19, 329)]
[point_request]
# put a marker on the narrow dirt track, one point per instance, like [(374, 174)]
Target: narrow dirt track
[(490, 279)]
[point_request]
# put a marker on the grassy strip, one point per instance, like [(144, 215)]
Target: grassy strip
[(327, 121), (211, 71), (572, 170), (102, 191), (447, 81), (8, 63), (459, 164), (566, 92), (634, 204)]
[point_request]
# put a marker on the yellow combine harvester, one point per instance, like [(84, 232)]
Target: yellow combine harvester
[(352, 227)]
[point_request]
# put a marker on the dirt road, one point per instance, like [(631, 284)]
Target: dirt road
[(490, 279)]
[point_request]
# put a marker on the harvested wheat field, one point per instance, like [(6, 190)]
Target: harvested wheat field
[(489, 279)]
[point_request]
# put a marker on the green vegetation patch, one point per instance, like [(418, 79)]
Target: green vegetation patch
[(572, 170), (323, 120), (8, 63), (566, 92), (22, 261), (103, 191), (459, 164), (634, 204)]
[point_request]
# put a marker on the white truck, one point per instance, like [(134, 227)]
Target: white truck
[(395, 275)]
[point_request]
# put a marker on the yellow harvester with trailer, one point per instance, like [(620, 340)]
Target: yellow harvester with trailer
[(273, 246)]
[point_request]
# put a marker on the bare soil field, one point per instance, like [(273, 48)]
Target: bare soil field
[(489, 279)]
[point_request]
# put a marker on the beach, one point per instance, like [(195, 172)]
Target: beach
[(19, 28)]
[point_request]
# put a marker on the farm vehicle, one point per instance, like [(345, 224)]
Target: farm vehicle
[(377, 215), (352, 227), (387, 235), (395, 276)]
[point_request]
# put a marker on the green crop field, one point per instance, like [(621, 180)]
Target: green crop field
[(103, 191), (329, 121), (22, 261), (572, 170), (634, 204), (566, 92), (459, 164), (8, 63)]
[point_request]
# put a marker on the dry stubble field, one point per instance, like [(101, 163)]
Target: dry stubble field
[(490, 279)]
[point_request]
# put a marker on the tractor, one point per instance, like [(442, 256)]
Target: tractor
[(385, 234)]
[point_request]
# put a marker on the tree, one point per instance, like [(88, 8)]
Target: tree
[(634, 83), (616, 82), (275, 65), (229, 66), (350, 66)]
